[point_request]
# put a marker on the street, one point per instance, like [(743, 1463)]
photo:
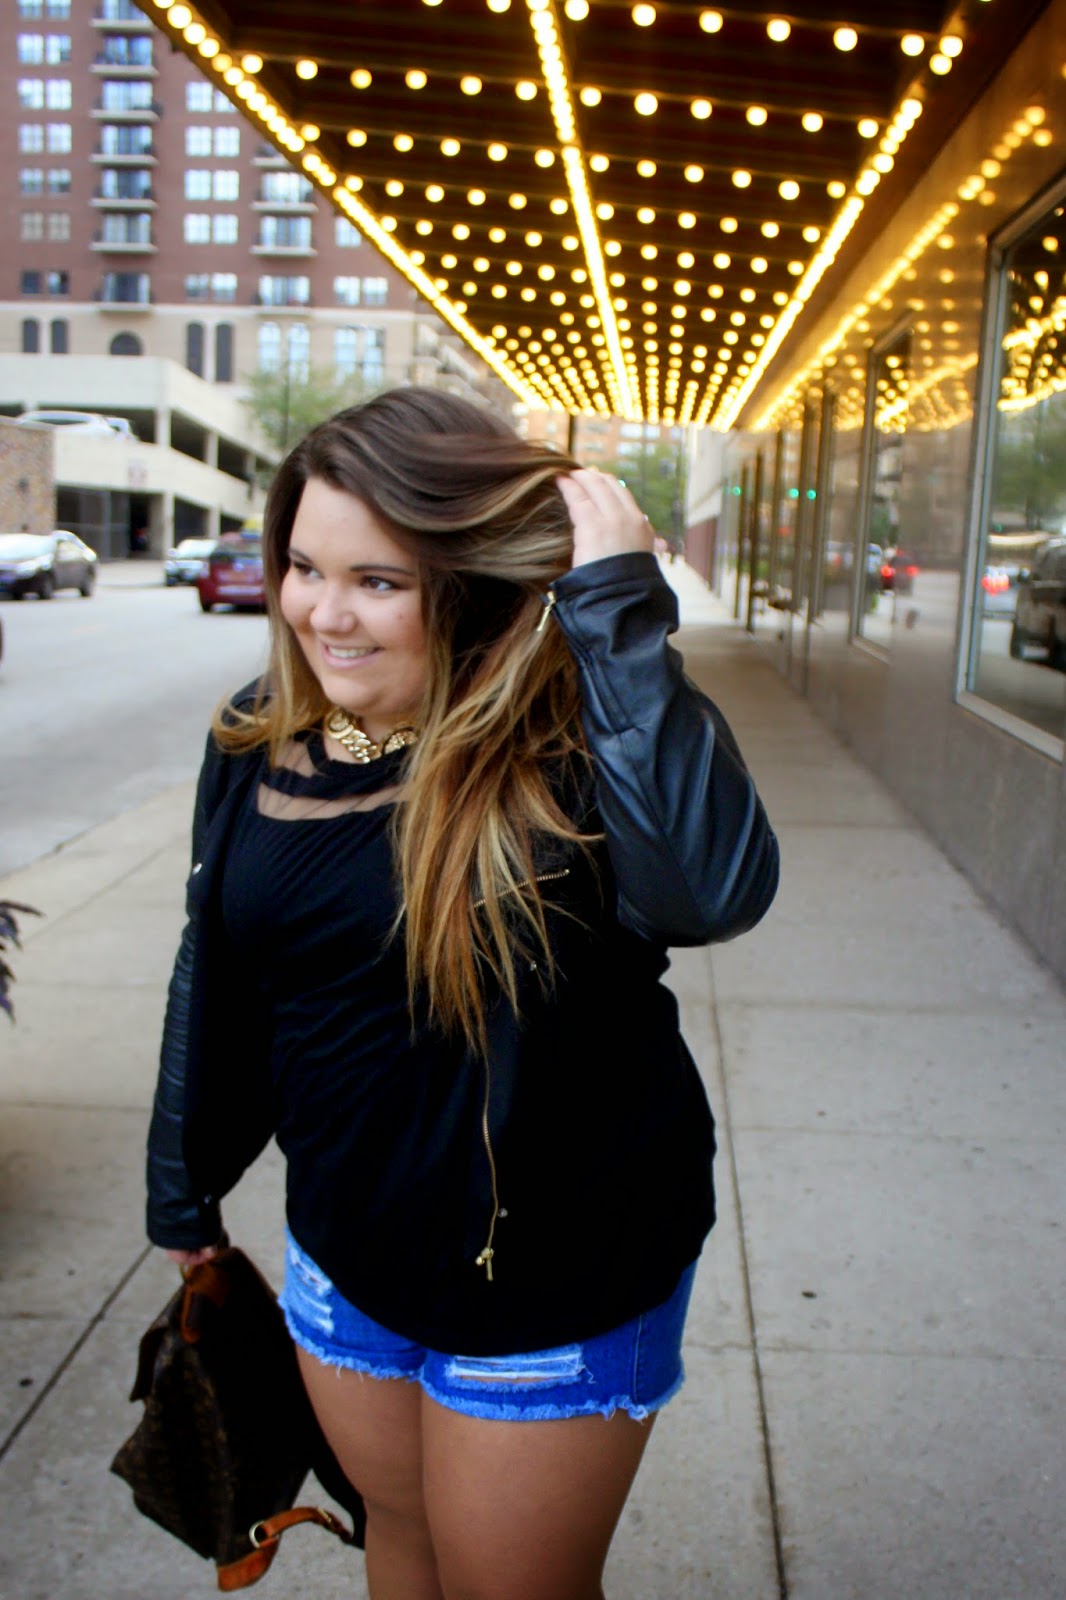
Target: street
[(106, 702)]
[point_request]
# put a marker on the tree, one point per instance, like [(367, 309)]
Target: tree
[(655, 478), (287, 403)]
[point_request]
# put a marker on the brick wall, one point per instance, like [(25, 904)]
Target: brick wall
[(27, 479)]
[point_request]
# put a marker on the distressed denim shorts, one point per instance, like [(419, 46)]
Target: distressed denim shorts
[(635, 1368)]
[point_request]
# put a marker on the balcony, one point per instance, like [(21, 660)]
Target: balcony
[(122, 69), (292, 308), (287, 250), (142, 114), (123, 202), (122, 247), (133, 22), (265, 157), (115, 158), (113, 297), (289, 208)]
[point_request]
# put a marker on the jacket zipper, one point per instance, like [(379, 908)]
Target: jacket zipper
[(484, 1259)]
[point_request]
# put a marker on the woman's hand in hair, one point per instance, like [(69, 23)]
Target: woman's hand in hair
[(607, 520)]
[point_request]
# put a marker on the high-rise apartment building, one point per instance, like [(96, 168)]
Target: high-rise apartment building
[(145, 218)]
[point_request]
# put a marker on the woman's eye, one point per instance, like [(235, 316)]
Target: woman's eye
[(382, 585)]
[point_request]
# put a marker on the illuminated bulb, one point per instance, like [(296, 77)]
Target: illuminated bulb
[(728, 224), (577, 10), (868, 128), (480, 264), (307, 70), (759, 264), (517, 201), (711, 21), (476, 197), (590, 96), (599, 163), (951, 45), (643, 16), (741, 179), (401, 142), (470, 84), (450, 147), (605, 211), (882, 162), (361, 78), (645, 105), (812, 234), (424, 228), (721, 260), (356, 137), (836, 190), (534, 240), (686, 260), (694, 174), (394, 188), (756, 115), (845, 38), (460, 231), (252, 64), (778, 29), (448, 262), (525, 90), (769, 230), (558, 207), (194, 33), (497, 152), (701, 109), (646, 215), (649, 251), (434, 193), (545, 158), (686, 219), (416, 78), (939, 64), (912, 44)]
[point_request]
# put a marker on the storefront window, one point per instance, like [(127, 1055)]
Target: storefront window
[(1019, 653), (883, 551)]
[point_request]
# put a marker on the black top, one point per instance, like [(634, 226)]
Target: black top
[(593, 1107)]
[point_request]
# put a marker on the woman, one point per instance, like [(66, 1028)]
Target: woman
[(446, 842)]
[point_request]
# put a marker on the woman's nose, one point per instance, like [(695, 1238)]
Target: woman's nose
[(332, 610)]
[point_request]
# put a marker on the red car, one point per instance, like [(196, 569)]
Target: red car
[(232, 575)]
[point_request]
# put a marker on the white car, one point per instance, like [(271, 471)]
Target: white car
[(78, 421), (185, 562)]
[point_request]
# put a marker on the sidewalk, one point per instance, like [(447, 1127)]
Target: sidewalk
[(876, 1406)]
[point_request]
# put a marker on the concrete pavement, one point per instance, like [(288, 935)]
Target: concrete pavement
[(876, 1406)]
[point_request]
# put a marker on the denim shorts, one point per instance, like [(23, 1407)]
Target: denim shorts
[(635, 1368)]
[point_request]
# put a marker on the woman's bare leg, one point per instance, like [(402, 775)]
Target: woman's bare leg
[(526, 1510), (374, 1427)]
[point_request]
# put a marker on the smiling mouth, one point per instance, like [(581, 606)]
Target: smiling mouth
[(348, 653)]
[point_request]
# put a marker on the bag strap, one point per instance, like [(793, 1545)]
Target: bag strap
[(266, 1536)]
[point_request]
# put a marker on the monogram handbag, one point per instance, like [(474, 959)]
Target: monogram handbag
[(228, 1435)]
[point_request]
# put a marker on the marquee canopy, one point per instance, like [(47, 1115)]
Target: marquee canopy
[(622, 207)]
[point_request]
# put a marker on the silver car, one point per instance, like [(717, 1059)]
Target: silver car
[(185, 562)]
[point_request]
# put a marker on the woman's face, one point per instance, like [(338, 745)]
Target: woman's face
[(352, 597)]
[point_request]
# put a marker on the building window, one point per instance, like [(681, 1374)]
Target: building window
[(31, 138), (31, 336), (31, 94), (57, 138), (197, 141), (346, 291), (299, 352), (31, 49), (194, 348), (224, 287), (58, 226), (374, 355), (31, 8), (283, 291), (59, 336), (227, 142), (127, 51), (127, 288), (268, 342), (126, 97), (57, 283), (224, 228), (31, 225), (198, 183), (30, 283), (224, 352), (285, 233), (197, 227), (225, 184), (348, 236), (1018, 645), (198, 97), (59, 180), (285, 188), (57, 49), (31, 180), (58, 10), (129, 184), (116, 141), (224, 105), (345, 352), (120, 227), (890, 377), (57, 94), (375, 291), (125, 344), (196, 285)]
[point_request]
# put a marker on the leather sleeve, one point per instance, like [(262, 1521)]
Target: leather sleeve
[(690, 845)]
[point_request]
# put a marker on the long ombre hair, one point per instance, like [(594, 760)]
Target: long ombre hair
[(480, 512)]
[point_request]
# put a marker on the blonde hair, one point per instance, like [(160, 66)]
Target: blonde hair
[(480, 512)]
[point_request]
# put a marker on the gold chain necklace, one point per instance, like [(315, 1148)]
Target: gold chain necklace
[(344, 728)]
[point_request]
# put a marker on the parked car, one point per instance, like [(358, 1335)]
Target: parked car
[(898, 572), (185, 562), (232, 574), (999, 591), (41, 563), (1040, 608), (78, 421)]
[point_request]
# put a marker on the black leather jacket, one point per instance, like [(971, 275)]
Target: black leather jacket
[(596, 1111)]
